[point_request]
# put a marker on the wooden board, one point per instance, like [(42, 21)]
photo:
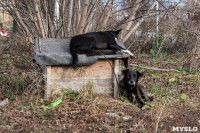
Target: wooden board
[(5, 17), (100, 73)]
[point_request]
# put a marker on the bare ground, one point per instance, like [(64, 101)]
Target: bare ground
[(168, 110)]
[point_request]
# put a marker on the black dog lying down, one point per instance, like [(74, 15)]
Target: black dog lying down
[(86, 43), (129, 86)]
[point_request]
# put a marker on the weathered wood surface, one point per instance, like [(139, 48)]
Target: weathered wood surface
[(116, 77), (5, 17), (100, 73)]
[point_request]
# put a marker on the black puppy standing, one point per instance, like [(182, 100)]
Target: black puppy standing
[(93, 40), (129, 87)]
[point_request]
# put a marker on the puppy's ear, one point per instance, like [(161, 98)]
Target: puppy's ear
[(117, 32), (139, 74), (125, 71)]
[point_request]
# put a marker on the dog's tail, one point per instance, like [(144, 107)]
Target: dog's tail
[(74, 55)]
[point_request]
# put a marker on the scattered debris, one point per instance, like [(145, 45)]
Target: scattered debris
[(112, 115), (4, 102), (127, 118), (53, 104), (3, 32)]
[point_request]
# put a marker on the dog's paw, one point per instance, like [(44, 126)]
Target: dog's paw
[(149, 96), (145, 107)]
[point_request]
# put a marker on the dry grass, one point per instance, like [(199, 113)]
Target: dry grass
[(85, 111)]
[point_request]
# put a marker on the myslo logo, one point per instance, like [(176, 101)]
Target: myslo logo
[(186, 129)]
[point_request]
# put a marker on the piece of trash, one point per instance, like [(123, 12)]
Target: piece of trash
[(112, 115), (53, 104), (127, 118), (4, 102), (3, 32)]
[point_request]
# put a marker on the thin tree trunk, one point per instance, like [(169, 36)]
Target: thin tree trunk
[(107, 15), (102, 13), (69, 17), (83, 17), (137, 24), (21, 22), (76, 16), (39, 18), (127, 27), (91, 15)]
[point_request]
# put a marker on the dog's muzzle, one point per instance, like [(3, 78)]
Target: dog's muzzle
[(132, 83)]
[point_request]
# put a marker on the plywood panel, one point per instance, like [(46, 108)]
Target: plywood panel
[(101, 86), (100, 70), (101, 74)]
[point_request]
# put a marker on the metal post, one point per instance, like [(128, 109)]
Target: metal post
[(56, 13), (157, 21)]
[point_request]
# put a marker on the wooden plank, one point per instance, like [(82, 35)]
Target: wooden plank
[(116, 77), (99, 70), (48, 81), (101, 86)]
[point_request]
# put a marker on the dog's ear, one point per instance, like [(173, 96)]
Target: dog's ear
[(139, 74), (117, 32), (125, 71)]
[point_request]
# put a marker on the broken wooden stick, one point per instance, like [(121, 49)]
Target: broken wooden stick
[(154, 68)]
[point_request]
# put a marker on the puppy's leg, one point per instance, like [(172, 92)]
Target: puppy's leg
[(145, 95), (138, 99), (125, 61), (130, 97)]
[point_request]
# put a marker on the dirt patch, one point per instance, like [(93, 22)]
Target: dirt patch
[(181, 118)]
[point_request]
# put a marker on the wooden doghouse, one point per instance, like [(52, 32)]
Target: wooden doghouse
[(102, 70)]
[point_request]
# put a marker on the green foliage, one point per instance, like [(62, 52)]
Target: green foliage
[(154, 60), (159, 39), (124, 99), (115, 129), (179, 81), (154, 53), (183, 96), (6, 56), (8, 92), (149, 104), (27, 58), (172, 80), (183, 69), (136, 104), (71, 94), (168, 93), (122, 67), (170, 60), (12, 84), (47, 115), (153, 73)]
